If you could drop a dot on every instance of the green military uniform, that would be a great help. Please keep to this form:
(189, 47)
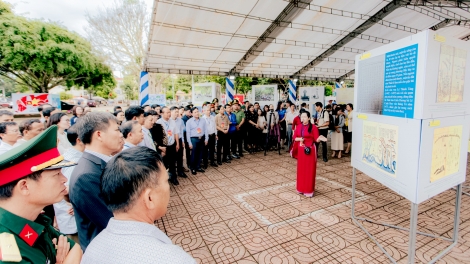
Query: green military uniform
(22, 240)
(34, 239)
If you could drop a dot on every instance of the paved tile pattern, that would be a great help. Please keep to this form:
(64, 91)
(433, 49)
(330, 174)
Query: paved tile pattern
(249, 212)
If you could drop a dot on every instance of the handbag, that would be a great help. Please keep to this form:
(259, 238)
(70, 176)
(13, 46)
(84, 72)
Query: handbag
(307, 150)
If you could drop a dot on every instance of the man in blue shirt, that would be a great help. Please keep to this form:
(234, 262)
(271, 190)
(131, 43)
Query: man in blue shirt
(186, 116)
(196, 132)
(231, 140)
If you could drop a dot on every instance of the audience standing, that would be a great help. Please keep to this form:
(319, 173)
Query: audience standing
(63, 123)
(171, 130)
(196, 132)
(29, 129)
(209, 149)
(132, 133)
(10, 134)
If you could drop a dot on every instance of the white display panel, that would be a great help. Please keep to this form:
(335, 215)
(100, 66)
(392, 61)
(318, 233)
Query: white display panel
(417, 159)
(311, 95)
(265, 94)
(345, 95)
(403, 178)
(205, 92)
(422, 76)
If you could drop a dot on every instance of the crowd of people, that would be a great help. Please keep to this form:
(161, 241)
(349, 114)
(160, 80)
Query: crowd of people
(111, 160)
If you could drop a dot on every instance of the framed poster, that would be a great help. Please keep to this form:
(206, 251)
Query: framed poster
(265, 94)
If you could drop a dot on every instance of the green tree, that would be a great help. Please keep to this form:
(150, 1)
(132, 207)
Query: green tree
(65, 96)
(130, 87)
(43, 55)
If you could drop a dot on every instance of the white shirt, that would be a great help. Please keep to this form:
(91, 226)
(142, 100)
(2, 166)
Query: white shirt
(134, 242)
(19, 142)
(350, 121)
(290, 116)
(323, 117)
(171, 129)
(4, 147)
(127, 145)
(148, 140)
(63, 145)
(210, 124)
(65, 221)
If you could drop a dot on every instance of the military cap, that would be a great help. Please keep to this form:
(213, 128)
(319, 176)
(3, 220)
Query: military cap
(39, 153)
(206, 103)
(215, 100)
(235, 101)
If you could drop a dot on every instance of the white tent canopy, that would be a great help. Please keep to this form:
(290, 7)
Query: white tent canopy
(286, 38)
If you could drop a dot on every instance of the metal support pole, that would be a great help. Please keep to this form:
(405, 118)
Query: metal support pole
(413, 227)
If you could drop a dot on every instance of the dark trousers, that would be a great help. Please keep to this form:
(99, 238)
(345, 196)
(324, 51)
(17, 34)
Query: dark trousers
(209, 149)
(179, 158)
(232, 143)
(187, 150)
(170, 159)
(323, 132)
(241, 136)
(222, 144)
(196, 152)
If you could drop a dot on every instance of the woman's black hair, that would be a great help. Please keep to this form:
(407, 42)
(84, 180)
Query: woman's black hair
(278, 108)
(351, 105)
(309, 123)
(55, 119)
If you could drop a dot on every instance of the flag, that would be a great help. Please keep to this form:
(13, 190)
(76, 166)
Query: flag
(144, 88)
(292, 92)
(230, 91)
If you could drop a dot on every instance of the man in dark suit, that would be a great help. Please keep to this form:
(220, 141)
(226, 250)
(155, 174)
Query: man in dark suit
(102, 138)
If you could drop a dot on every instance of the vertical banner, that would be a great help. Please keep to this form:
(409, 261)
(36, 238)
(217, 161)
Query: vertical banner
(144, 88)
(292, 92)
(230, 91)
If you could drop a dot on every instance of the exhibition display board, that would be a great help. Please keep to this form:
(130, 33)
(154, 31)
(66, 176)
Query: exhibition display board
(205, 92)
(344, 95)
(264, 94)
(412, 121)
(311, 95)
(26, 103)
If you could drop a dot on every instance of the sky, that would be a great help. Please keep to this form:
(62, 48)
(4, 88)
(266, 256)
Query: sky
(70, 13)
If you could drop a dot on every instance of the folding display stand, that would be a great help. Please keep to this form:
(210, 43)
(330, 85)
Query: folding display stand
(413, 226)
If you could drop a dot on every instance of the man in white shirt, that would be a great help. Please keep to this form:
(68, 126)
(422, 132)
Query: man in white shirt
(31, 128)
(323, 120)
(137, 113)
(9, 133)
(146, 126)
(174, 115)
(209, 149)
(132, 132)
(290, 115)
(135, 188)
(6, 116)
(171, 130)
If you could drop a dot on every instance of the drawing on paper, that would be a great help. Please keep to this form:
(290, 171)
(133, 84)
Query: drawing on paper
(264, 93)
(380, 146)
(452, 63)
(445, 152)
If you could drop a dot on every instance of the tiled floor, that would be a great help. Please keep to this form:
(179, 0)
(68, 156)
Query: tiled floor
(249, 212)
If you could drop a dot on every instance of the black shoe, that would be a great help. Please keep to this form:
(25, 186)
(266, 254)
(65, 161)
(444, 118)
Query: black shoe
(183, 175)
(325, 159)
(174, 181)
(229, 157)
(235, 156)
(201, 170)
(214, 165)
(219, 163)
(227, 161)
(204, 167)
(193, 172)
(241, 155)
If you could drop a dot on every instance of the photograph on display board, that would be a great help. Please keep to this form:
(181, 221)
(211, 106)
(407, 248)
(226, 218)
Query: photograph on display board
(380, 146)
(452, 63)
(28, 103)
(312, 94)
(445, 152)
(265, 93)
(202, 93)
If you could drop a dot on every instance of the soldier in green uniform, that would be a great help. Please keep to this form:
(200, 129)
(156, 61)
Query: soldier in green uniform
(30, 179)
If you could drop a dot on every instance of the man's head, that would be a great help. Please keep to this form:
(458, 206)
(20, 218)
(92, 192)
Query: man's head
(206, 110)
(174, 112)
(247, 104)
(135, 113)
(228, 108)
(31, 128)
(6, 116)
(47, 112)
(72, 136)
(100, 131)
(154, 106)
(271, 107)
(9, 132)
(256, 105)
(132, 132)
(303, 105)
(195, 112)
(166, 113)
(40, 182)
(187, 111)
(42, 107)
(318, 106)
(147, 108)
(181, 111)
(328, 108)
(117, 108)
(149, 119)
(292, 107)
(135, 182)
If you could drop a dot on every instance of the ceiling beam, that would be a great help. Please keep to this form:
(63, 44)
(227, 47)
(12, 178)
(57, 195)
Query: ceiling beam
(388, 9)
(287, 15)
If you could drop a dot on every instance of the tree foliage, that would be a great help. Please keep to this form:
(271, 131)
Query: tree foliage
(43, 55)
